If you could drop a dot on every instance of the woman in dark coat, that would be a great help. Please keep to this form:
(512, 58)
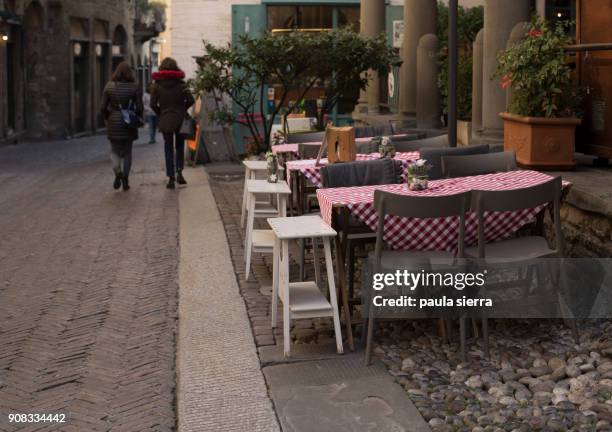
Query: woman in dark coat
(120, 92)
(170, 99)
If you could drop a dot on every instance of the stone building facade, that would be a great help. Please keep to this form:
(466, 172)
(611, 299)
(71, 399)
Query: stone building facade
(55, 58)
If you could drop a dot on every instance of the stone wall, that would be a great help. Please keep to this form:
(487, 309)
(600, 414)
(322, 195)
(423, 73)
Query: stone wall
(44, 81)
(194, 21)
(587, 234)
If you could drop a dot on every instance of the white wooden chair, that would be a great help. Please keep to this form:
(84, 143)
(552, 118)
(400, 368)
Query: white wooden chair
(262, 240)
(254, 169)
(302, 299)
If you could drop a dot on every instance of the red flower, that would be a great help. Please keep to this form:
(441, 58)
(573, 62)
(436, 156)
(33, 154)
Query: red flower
(506, 81)
(535, 33)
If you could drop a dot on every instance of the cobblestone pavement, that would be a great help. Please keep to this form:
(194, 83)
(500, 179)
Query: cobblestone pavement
(227, 190)
(88, 291)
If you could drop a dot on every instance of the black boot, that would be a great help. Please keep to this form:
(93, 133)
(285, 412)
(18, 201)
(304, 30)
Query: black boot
(180, 179)
(170, 184)
(117, 182)
(125, 183)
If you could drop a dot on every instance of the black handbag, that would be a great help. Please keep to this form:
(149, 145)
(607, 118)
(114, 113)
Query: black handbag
(188, 127)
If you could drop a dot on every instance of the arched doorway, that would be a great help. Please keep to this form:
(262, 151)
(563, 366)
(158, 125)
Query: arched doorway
(33, 25)
(102, 54)
(119, 45)
(80, 92)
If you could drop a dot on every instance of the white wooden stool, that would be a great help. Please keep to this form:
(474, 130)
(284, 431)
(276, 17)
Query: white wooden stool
(262, 241)
(302, 299)
(252, 170)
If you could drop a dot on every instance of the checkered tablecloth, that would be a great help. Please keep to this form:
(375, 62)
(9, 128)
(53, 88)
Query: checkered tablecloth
(312, 172)
(293, 148)
(440, 233)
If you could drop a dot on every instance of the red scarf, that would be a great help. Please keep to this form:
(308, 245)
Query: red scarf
(168, 75)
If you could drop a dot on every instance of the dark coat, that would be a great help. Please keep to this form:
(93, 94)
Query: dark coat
(170, 99)
(116, 93)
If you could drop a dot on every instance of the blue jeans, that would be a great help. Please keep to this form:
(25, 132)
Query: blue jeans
(174, 147)
(152, 121)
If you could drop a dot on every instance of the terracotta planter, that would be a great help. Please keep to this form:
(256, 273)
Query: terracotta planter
(543, 143)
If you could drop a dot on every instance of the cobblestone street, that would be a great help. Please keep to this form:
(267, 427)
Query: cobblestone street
(88, 291)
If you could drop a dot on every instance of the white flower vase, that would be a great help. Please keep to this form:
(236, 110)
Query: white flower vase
(272, 170)
(417, 182)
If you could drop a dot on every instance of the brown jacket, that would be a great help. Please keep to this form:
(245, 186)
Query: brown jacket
(170, 99)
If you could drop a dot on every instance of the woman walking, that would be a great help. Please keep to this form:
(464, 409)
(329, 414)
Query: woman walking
(121, 93)
(170, 99)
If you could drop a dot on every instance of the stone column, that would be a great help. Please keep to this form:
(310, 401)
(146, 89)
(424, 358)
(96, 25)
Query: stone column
(420, 18)
(541, 8)
(518, 32)
(500, 18)
(427, 92)
(372, 17)
(477, 85)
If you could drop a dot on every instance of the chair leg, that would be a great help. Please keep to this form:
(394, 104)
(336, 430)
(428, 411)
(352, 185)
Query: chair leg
(485, 336)
(475, 328)
(369, 338)
(574, 326)
(351, 269)
(443, 334)
(463, 337)
(329, 265)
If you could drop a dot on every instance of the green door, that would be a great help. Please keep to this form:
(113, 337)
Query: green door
(251, 20)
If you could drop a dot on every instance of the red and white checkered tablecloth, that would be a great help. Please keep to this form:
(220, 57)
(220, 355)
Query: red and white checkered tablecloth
(313, 173)
(293, 148)
(439, 233)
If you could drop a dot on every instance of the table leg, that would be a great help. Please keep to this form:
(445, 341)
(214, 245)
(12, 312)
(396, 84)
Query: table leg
(275, 271)
(286, 301)
(245, 196)
(329, 265)
(281, 199)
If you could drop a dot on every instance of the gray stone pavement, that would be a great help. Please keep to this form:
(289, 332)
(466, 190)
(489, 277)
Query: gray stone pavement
(88, 291)
(220, 383)
(316, 389)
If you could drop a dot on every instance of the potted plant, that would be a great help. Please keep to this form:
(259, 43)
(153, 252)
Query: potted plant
(544, 107)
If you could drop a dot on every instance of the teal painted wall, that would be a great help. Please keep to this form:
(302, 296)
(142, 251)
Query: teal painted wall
(256, 17)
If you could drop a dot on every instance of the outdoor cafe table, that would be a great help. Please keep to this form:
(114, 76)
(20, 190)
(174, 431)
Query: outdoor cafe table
(440, 233)
(337, 204)
(292, 150)
(297, 171)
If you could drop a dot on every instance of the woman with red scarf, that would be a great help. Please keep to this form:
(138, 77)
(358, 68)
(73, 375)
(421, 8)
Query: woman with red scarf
(170, 99)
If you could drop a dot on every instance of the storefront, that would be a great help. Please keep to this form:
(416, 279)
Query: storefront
(278, 16)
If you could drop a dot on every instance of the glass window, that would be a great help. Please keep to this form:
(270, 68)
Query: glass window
(300, 17)
(562, 10)
(349, 15)
(281, 17)
(315, 17)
